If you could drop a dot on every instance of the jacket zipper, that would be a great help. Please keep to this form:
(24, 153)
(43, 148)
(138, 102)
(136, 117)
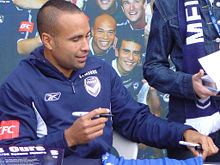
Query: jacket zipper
(73, 88)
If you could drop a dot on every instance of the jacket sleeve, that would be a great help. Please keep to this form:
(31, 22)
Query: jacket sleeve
(161, 43)
(111, 159)
(17, 113)
(135, 121)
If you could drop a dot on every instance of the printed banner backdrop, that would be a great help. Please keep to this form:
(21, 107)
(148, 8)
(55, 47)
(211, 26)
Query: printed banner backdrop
(26, 155)
(120, 30)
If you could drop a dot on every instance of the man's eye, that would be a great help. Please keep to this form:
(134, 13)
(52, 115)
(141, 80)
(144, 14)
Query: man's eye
(136, 53)
(100, 31)
(110, 32)
(125, 3)
(76, 39)
(126, 51)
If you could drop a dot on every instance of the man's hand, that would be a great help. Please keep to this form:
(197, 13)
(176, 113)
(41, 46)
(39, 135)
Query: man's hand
(86, 128)
(208, 146)
(200, 90)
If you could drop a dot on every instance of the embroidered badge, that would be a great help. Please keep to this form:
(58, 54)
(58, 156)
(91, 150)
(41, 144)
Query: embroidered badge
(9, 129)
(52, 96)
(136, 85)
(92, 85)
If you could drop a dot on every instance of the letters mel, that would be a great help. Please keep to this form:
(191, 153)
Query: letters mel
(194, 27)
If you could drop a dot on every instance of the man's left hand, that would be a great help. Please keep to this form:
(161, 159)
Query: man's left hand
(208, 146)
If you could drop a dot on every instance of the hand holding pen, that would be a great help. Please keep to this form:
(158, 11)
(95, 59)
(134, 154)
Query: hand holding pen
(86, 127)
(197, 146)
(204, 144)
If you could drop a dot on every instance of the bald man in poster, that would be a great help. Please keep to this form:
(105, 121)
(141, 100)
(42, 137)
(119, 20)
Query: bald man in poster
(103, 37)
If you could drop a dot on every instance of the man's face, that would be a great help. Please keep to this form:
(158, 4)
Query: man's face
(128, 56)
(70, 43)
(105, 4)
(103, 35)
(133, 9)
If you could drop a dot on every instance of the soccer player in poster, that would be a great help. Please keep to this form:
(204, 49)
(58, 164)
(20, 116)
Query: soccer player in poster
(103, 37)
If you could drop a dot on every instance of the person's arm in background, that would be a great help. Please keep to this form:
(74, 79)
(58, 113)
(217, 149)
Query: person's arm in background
(148, 95)
(36, 4)
(154, 102)
(29, 4)
(26, 46)
(157, 70)
(135, 121)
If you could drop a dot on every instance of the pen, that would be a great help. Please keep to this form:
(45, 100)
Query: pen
(106, 115)
(84, 113)
(197, 146)
(212, 89)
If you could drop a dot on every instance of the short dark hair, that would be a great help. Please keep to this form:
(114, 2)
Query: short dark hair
(120, 2)
(50, 11)
(129, 37)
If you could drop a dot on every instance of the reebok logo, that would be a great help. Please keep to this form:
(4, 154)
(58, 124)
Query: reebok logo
(52, 96)
(26, 26)
(9, 129)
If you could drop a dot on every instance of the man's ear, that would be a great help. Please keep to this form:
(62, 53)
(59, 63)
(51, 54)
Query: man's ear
(114, 45)
(116, 52)
(47, 40)
(122, 9)
(92, 31)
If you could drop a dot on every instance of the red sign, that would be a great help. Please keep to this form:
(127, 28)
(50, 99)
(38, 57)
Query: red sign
(9, 129)
(74, 1)
(26, 26)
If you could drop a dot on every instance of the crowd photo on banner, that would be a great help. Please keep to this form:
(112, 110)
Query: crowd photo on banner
(120, 30)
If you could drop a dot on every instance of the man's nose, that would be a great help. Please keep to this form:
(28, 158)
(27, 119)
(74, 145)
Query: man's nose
(85, 45)
(105, 35)
(132, 7)
(130, 56)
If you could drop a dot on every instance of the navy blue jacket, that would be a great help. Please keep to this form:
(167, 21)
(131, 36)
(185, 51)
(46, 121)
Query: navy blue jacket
(40, 100)
(165, 43)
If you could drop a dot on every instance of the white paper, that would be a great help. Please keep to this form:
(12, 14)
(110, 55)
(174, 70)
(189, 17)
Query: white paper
(211, 65)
